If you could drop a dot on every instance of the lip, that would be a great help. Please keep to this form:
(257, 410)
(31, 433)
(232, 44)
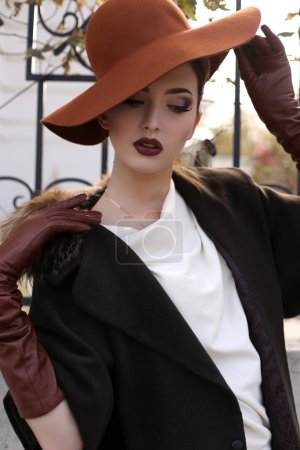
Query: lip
(148, 147)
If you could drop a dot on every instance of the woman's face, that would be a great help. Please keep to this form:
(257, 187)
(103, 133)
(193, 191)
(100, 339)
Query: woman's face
(149, 129)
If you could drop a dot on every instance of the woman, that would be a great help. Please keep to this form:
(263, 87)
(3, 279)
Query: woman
(161, 328)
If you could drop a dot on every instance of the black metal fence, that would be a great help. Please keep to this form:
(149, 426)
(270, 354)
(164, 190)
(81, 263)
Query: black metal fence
(64, 43)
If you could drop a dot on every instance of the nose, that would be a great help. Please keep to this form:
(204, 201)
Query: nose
(151, 120)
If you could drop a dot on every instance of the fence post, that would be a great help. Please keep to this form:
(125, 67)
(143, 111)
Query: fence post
(237, 111)
(39, 137)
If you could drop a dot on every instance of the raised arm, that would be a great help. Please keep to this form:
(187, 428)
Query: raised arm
(24, 363)
(265, 69)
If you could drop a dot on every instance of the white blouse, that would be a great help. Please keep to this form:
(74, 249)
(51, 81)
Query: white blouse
(195, 276)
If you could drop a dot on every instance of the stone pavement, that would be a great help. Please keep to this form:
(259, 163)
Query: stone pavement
(8, 440)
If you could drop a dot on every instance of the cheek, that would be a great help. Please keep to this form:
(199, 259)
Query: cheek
(193, 125)
(185, 132)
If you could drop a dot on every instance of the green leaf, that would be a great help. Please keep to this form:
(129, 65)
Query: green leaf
(34, 53)
(229, 80)
(286, 33)
(47, 48)
(213, 5)
(66, 63)
(80, 4)
(188, 7)
(17, 7)
(8, 4)
(34, 2)
(291, 15)
(77, 38)
(293, 58)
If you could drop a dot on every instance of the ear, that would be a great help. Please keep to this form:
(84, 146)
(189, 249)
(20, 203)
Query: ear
(192, 131)
(103, 121)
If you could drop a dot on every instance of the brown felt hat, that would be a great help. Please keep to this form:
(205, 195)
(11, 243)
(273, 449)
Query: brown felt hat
(131, 43)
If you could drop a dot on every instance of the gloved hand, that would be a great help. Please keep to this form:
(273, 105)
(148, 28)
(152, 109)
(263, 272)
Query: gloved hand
(24, 363)
(265, 69)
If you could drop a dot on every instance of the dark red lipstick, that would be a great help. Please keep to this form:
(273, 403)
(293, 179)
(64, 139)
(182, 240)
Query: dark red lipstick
(148, 147)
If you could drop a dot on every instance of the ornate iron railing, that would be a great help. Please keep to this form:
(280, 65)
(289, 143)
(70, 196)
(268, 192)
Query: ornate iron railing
(63, 32)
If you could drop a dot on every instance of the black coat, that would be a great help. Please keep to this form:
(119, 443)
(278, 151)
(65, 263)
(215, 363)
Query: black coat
(133, 372)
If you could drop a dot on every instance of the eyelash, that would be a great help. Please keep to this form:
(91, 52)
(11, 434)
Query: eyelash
(180, 108)
(175, 108)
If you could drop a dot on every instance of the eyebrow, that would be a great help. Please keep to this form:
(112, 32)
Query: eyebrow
(178, 90)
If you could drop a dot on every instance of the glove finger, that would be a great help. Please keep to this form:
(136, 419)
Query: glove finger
(245, 66)
(71, 214)
(69, 203)
(273, 39)
(259, 46)
(75, 227)
(94, 216)
(56, 228)
(59, 226)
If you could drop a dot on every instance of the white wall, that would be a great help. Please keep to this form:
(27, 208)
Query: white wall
(18, 127)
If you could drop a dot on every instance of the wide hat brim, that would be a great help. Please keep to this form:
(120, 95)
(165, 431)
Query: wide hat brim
(77, 121)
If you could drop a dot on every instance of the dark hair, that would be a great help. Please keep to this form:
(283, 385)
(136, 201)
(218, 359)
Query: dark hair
(201, 69)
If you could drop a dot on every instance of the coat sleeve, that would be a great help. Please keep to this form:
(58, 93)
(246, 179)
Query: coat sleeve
(80, 353)
(283, 216)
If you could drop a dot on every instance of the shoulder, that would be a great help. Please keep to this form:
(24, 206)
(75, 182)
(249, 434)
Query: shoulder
(242, 191)
(217, 183)
(63, 248)
(230, 177)
(235, 190)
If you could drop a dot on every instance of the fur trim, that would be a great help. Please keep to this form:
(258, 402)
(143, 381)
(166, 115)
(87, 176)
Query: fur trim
(64, 247)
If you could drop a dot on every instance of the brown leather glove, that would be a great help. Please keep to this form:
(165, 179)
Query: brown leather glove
(24, 363)
(265, 69)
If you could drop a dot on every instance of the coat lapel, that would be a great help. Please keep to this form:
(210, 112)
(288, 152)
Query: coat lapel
(117, 288)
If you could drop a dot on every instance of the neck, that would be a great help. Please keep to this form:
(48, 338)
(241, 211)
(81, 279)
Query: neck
(138, 192)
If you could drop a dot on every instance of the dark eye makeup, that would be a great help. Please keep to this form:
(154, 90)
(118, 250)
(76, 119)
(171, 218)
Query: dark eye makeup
(181, 108)
(178, 108)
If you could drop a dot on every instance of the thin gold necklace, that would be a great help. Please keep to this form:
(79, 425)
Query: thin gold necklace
(139, 224)
(116, 204)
